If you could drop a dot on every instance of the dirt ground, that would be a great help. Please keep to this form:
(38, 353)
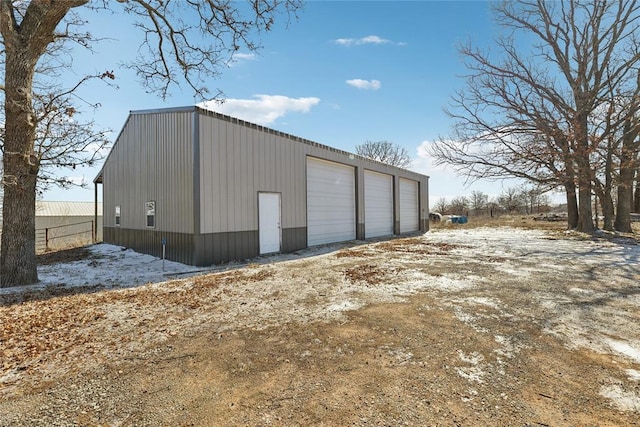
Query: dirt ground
(458, 327)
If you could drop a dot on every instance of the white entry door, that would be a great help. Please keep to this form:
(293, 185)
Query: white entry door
(269, 222)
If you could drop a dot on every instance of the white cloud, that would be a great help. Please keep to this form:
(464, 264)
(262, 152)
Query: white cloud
(241, 57)
(77, 180)
(363, 40)
(263, 109)
(364, 84)
(426, 164)
(100, 149)
(445, 183)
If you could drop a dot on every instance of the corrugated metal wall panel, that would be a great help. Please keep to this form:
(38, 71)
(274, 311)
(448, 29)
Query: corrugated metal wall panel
(152, 160)
(179, 246)
(248, 161)
(241, 159)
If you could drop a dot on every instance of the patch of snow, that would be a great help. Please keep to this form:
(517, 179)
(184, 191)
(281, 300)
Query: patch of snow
(489, 302)
(633, 374)
(625, 349)
(513, 271)
(418, 280)
(411, 282)
(471, 393)
(507, 347)
(472, 358)
(468, 319)
(110, 266)
(401, 355)
(344, 306)
(624, 400)
(581, 291)
(472, 373)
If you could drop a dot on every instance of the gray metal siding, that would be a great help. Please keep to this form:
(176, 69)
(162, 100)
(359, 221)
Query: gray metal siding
(179, 246)
(187, 159)
(237, 162)
(239, 159)
(152, 160)
(217, 248)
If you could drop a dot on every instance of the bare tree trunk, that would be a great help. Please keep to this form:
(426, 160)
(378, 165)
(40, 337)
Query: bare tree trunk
(628, 165)
(18, 259)
(604, 192)
(572, 205)
(603, 195)
(625, 191)
(584, 173)
(24, 44)
(585, 212)
(636, 197)
(595, 207)
(608, 211)
(623, 211)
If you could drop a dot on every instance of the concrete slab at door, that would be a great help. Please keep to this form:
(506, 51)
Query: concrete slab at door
(269, 222)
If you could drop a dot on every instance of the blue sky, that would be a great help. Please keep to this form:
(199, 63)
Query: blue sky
(345, 72)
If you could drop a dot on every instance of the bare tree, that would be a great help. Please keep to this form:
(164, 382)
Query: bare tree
(534, 198)
(64, 139)
(459, 205)
(441, 206)
(511, 200)
(185, 42)
(385, 152)
(529, 113)
(478, 201)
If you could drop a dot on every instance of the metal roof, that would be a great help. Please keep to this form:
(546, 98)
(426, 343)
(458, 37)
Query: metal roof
(201, 110)
(46, 208)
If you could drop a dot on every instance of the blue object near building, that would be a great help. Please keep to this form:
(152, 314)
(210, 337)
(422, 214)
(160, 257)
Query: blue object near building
(459, 219)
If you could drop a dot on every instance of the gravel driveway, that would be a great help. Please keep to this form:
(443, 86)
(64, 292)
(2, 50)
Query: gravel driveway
(460, 326)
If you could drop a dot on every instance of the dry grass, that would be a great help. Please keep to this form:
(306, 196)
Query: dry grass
(63, 255)
(63, 244)
(521, 221)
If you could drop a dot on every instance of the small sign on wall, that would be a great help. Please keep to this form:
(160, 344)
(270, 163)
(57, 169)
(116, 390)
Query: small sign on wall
(150, 209)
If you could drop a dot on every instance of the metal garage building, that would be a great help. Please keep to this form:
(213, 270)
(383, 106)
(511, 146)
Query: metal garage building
(216, 189)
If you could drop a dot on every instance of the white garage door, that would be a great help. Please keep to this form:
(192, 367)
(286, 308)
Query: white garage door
(331, 202)
(378, 204)
(408, 205)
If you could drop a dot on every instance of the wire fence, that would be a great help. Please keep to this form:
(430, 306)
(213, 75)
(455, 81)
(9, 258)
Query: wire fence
(65, 236)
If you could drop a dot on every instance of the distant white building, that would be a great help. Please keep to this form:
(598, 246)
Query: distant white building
(65, 224)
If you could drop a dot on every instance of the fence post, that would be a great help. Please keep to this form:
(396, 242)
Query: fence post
(93, 232)
(46, 239)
